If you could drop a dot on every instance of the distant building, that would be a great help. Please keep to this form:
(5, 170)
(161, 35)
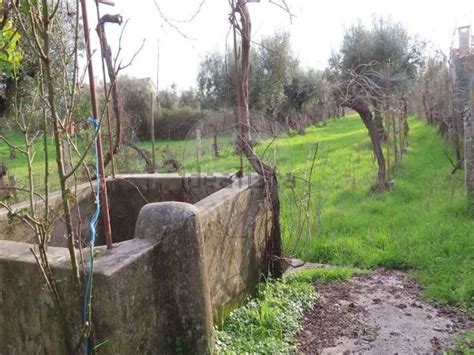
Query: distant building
(465, 38)
(462, 59)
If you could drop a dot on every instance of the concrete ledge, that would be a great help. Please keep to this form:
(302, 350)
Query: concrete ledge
(187, 262)
(21, 252)
(184, 290)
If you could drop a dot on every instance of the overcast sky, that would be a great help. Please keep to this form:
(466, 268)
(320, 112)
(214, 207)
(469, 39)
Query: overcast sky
(316, 29)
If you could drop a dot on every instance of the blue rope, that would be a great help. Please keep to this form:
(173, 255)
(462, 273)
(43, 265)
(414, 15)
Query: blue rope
(92, 227)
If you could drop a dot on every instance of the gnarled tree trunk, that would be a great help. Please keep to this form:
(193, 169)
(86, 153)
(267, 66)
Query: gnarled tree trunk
(274, 245)
(106, 52)
(378, 120)
(362, 108)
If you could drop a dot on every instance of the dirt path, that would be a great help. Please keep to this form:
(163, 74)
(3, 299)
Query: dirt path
(378, 313)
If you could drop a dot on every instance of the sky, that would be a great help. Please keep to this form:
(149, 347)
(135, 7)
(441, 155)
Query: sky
(316, 29)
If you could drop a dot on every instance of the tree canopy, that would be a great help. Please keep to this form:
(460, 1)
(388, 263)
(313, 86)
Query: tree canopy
(385, 42)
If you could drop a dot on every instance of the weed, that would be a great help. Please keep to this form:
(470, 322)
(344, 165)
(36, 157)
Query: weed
(268, 323)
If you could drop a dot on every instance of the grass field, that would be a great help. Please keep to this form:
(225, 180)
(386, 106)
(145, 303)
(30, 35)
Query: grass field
(420, 225)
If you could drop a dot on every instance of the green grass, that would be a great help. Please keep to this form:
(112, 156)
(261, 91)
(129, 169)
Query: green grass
(462, 345)
(18, 167)
(420, 225)
(268, 323)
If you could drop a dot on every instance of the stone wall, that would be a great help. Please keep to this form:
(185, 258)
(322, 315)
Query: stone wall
(127, 195)
(158, 292)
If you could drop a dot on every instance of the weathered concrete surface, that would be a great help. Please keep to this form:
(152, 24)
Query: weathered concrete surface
(26, 309)
(123, 307)
(127, 195)
(17, 231)
(156, 293)
(234, 223)
(183, 296)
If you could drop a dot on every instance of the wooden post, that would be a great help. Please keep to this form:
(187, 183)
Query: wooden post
(394, 135)
(388, 121)
(3, 172)
(12, 185)
(464, 66)
(107, 112)
(198, 149)
(469, 143)
(152, 128)
(12, 153)
(215, 144)
(95, 112)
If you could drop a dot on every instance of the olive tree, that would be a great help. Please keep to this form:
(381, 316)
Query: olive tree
(360, 69)
(272, 67)
(214, 81)
(307, 95)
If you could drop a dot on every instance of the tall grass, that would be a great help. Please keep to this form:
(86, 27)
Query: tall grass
(421, 225)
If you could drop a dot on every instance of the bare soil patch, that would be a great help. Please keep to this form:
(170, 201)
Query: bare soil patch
(378, 313)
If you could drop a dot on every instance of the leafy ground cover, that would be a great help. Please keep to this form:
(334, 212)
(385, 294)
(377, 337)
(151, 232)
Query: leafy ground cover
(268, 323)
